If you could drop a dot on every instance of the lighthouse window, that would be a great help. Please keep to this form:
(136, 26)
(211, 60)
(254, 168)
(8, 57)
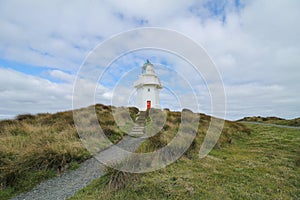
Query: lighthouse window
(148, 89)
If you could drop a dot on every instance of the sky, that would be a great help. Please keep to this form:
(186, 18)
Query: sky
(255, 46)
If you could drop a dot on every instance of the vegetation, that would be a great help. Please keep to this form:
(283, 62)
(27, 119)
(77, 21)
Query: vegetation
(116, 180)
(248, 162)
(262, 165)
(273, 120)
(36, 147)
(231, 131)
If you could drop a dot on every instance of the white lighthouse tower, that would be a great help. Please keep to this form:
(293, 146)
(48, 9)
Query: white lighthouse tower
(147, 86)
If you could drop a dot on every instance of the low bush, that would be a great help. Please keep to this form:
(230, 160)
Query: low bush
(116, 180)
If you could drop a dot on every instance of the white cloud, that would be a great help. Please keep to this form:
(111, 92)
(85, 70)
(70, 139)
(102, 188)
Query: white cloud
(261, 99)
(61, 75)
(256, 48)
(20, 93)
(107, 95)
(54, 34)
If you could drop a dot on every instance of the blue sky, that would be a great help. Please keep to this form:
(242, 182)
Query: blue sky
(255, 45)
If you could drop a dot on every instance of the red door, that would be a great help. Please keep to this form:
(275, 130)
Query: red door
(148, 104)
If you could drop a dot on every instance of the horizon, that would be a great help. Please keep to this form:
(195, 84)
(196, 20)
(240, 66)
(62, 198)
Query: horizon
(254, 45)
(14, 117)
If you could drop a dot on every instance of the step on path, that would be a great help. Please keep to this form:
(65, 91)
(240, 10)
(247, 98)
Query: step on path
(138, 128)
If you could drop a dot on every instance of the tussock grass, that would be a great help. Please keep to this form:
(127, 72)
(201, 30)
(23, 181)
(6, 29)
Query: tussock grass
(273, 120)
(260, 165)
(231, 131)
(298, 162)
(36, 147)
(33, 147)
(116, 180)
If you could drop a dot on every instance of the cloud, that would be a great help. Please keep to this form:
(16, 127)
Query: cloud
(255, 45)
(58, 74)
(21, 93)
(107, 95)
(261, 99)
(57, 34)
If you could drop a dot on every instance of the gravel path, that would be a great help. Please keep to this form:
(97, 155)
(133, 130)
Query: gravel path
(66, 185)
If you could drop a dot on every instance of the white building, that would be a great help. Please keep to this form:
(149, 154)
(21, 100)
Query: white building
(147, 86)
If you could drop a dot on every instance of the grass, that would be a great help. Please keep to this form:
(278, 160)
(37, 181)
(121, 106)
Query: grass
(116, 180)
(273, 120)
(260, 165)
(34, 148)
(231, 131)
(248, 162)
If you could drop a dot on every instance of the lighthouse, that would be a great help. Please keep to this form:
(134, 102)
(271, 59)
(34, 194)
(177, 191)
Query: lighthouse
(147, 86)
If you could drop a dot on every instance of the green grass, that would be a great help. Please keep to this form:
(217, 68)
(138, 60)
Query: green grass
(27, 182)
(262, 165)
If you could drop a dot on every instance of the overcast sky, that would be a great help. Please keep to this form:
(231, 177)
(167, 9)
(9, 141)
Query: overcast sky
(255, 45)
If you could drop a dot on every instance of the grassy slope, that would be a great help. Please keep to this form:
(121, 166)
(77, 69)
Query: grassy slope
(273, 120)
(262, 165)
(37, 147)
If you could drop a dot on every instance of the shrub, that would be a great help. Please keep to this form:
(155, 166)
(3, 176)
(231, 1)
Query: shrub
(116, 180)
(298, 162)
(25, 117)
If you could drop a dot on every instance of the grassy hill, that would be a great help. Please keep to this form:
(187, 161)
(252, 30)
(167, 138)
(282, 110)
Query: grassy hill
(273, 120)
(249, 161)
(37, 147)
(262, 165)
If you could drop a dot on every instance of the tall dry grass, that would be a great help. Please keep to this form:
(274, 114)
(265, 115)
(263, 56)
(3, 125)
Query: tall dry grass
(230, 132)
(29, 144)
(33, 144)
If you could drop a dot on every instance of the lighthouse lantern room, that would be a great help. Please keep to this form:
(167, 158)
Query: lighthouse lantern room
(147, 86)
